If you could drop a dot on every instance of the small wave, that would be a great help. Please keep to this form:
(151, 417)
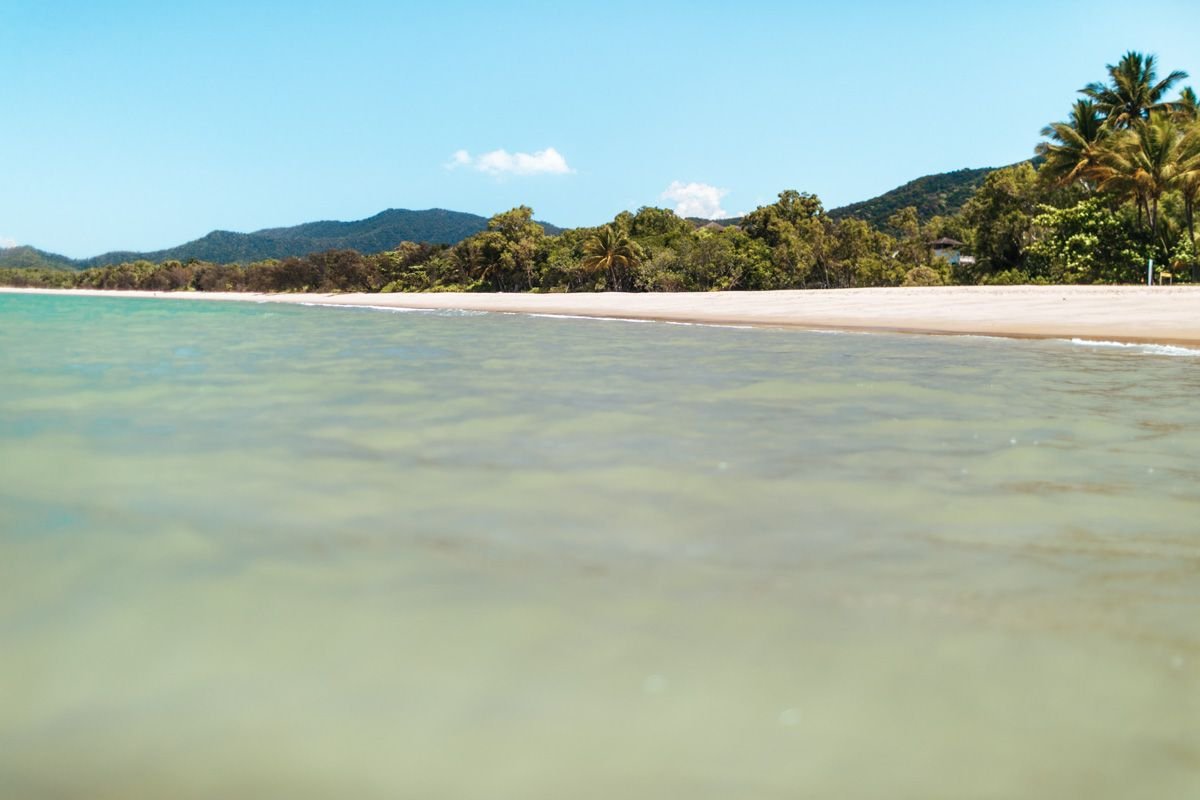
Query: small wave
(435, 312)
(989, 337)
(1148, 349)
(638, 320)
(591, 317)
(360, 306)
(838, 332)
(732, 325)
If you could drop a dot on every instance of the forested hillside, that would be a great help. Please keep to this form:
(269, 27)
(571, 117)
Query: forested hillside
(25, 257)
(376, 234)
(372, 235)
(941, 195)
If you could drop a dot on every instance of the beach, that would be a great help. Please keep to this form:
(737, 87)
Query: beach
(1159, 314)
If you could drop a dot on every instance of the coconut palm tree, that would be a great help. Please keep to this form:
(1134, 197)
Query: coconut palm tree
(611, 250)
(1076, 145)
(1187, 106)
(1133, 92)
(1189, 179)
(1146, 162)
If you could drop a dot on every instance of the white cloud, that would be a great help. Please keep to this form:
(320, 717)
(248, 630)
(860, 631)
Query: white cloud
(696, 200)
(502, 162)
(7, 242)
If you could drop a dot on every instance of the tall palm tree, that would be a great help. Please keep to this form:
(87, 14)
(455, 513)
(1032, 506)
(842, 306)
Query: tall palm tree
(1076, 145)
(1189, 179)
(1133, 91)
(1146, 162)
(611, 250)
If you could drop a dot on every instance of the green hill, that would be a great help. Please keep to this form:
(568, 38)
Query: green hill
(383, 231)
(932, 195)
(26, 257)
(373, 235)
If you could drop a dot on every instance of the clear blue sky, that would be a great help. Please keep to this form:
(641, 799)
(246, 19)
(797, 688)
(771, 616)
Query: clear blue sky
(138, 125)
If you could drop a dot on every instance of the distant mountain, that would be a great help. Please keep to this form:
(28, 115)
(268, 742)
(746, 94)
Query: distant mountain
(933, 195)
(26, 257)
(373, 235)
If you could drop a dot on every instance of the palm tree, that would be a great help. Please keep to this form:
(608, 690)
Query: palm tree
(1189, 181)
(1076, 146)
(1187, 106)
(1133, 91)
(611, 250)
(1148, 161)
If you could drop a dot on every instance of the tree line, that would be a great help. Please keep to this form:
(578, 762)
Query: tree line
(1112, 186)
(790, 244)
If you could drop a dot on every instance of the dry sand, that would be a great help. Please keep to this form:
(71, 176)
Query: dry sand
(1167, 315)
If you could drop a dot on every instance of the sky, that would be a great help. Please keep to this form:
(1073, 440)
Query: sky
(136, 125)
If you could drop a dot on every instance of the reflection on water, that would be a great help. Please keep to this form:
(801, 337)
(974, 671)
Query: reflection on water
(260, 551)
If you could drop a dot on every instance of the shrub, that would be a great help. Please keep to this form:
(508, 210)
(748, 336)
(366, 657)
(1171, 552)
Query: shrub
(923, 276)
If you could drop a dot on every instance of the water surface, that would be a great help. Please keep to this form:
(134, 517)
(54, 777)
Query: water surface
(268, 551)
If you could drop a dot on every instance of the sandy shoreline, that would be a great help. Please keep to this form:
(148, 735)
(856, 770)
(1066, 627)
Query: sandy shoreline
(1164, 315)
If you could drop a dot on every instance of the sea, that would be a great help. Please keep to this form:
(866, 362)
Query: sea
(268, 551)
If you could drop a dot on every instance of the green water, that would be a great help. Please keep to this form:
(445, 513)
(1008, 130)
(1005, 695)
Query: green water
(276, 552)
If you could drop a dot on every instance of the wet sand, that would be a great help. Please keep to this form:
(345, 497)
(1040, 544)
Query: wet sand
(1167, 315)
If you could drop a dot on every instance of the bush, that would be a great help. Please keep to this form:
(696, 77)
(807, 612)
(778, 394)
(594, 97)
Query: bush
(1088, 243)
(1013, 277)
(923, 276)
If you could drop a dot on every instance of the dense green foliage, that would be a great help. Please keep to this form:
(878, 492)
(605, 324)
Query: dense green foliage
(790, 244)
(1115, 184)
(1086, 243)
(1121, 180)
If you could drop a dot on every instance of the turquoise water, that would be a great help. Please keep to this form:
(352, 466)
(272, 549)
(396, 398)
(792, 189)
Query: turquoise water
(267, 551)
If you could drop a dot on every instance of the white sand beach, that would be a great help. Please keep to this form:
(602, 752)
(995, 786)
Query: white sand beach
(1167, 315)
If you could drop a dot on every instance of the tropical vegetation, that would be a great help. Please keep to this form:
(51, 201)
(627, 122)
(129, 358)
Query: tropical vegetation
(1113, 187)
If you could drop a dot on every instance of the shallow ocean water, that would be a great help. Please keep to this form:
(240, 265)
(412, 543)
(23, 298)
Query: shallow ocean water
(266, 551)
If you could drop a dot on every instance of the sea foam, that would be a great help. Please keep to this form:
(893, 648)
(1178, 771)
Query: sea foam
(1148, 349)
